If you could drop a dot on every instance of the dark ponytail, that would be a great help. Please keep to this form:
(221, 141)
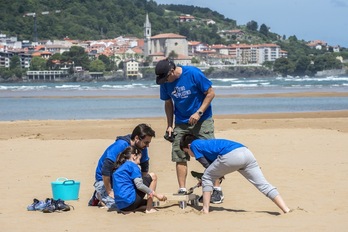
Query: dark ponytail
(126, 155)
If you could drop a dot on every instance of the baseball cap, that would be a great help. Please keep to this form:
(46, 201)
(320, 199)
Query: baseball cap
(162, 69)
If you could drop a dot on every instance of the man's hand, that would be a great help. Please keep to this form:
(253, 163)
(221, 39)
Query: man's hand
(169, 135)
(194, 118)
(111, 194)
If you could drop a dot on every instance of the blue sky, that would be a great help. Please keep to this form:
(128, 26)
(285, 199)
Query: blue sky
(325, 20)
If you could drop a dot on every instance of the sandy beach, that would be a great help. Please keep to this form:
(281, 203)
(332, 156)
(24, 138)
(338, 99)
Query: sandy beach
(304, 155)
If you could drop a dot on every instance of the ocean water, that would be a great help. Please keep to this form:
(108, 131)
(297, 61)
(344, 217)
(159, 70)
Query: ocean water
(109, 100)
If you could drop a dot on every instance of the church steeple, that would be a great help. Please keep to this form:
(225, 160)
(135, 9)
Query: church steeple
(147, 36)
(147, 27)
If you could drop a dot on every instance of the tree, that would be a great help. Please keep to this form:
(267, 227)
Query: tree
(37, 64)
(109, 65)
(283, 66)
(194, 60)
(53, 62)
(172, 55)
(15, 66)
(252, 25)
(77, 55)
(120, 65)
(326, 61)
(268, 64)
(302, 65)
(264, 29)
(15, 62)
(97, 66)
(5, 73)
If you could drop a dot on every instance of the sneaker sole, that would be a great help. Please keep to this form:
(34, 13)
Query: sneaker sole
(218, 202)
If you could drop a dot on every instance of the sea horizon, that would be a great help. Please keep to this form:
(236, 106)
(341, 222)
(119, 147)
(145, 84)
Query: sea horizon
(140, 98)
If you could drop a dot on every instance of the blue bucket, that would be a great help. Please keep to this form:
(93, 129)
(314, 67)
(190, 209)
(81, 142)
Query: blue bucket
(65, 189)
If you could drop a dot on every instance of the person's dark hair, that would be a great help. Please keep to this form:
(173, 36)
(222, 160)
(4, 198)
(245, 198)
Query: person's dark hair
(186, 139)
(142, 130)
(126, 155)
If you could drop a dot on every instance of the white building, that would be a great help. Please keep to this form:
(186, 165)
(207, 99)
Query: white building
(131, 69)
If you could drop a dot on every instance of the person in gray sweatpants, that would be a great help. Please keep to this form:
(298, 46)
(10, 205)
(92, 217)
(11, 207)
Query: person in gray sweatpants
(222, 156)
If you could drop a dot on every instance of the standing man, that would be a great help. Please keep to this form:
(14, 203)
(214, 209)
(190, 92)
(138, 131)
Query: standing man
(141, 138)
(188, 94)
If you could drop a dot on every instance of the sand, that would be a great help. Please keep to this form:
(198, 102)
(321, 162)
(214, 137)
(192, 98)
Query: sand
(304, 155)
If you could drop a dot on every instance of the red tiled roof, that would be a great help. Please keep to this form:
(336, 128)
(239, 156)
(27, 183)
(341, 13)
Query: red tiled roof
(37, 48)
(141, 42)
(194, 43)
(36, 54)
(168, 36)
(137, 50)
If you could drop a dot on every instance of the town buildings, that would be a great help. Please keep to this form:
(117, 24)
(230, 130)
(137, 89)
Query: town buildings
(134, 52)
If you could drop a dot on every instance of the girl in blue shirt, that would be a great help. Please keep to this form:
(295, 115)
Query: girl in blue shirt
(130, 187)
(220, 157)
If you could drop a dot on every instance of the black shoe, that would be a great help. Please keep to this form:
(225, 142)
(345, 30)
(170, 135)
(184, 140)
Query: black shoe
(217, 197)
(50, 206)
(60, 205)
(200, 199)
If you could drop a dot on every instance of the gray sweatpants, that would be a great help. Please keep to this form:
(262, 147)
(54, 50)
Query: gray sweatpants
(243, 161)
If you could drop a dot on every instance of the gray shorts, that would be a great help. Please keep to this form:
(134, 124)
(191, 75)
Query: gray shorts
(101, 193)
(202, 130)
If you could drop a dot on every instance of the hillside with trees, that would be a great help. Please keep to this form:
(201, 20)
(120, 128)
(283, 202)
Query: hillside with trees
(101, 19)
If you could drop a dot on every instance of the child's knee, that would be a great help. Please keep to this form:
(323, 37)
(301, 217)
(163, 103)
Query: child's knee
(153, 176)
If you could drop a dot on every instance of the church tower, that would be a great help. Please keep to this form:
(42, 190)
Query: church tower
(147, 37)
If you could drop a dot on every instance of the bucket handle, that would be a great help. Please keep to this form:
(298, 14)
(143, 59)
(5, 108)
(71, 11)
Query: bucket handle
(69, 182)
(61, 179)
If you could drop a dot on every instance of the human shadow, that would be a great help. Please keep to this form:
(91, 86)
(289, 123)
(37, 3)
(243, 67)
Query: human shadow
(220, 208)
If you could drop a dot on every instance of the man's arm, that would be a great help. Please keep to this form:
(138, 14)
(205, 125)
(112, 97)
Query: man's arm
(106, 172)
(169, 110)
(107, 184)
(144, 167)
(209, 96)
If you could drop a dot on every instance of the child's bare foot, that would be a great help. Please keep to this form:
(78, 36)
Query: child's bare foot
(204, 212)
(152, 210)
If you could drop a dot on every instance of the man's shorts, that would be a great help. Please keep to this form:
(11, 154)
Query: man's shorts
(202, 130)
(101, 192)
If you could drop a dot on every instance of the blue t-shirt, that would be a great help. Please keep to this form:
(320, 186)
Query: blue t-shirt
(123, 185)
(113, 151)
(212, 148)
(187, 93)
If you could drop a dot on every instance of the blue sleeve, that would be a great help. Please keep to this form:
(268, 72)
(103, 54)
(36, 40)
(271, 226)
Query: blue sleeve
(114, 150)
(163, 93)
(202, 82)
(196, 151)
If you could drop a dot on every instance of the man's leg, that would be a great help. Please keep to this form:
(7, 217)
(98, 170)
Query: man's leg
(180, 157)
(181, 173)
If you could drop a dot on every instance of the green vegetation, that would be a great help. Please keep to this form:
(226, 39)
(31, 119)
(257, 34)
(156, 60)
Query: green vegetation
(99, 19)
